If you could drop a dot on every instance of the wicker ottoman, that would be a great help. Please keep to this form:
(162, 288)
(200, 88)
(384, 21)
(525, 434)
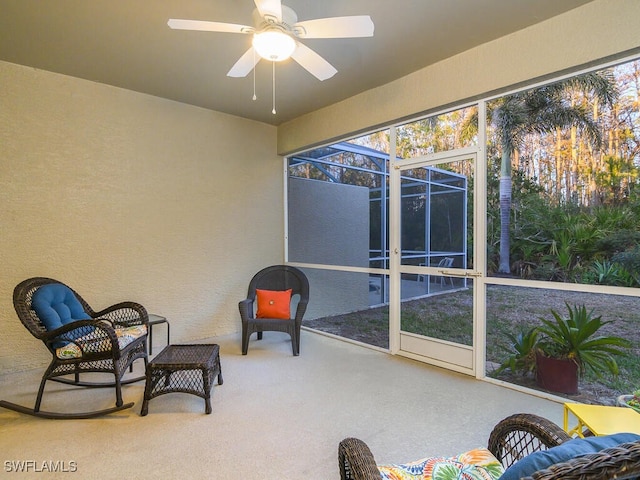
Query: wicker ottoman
(183, 368)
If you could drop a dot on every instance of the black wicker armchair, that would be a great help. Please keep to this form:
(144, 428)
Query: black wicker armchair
(107, 341)
(511, 440)
(277, 278)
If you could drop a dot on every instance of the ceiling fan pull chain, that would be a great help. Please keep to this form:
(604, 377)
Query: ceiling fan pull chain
(254, 76)
(274, 87)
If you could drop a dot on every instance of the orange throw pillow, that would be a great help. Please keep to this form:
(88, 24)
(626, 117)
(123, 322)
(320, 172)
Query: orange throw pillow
(274, 304)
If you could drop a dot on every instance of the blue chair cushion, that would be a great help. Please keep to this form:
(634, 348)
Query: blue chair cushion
(56, 305)
(564, 452)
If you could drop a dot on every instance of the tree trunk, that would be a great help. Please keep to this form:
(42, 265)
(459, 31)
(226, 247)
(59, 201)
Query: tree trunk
(558, 172)
(505, 211)
(572, 171)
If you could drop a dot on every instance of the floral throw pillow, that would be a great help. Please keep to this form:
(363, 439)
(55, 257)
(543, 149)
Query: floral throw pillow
(99, 342)
(476, 464)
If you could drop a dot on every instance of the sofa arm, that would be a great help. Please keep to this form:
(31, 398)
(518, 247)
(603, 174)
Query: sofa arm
(621, 462)
(521, 434)
(356, 462)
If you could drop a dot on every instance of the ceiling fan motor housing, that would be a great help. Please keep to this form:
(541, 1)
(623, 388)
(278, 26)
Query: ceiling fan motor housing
(289, 18)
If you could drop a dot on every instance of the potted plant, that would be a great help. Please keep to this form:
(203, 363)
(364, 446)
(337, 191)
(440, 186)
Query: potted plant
(631, 401)
(569, 347)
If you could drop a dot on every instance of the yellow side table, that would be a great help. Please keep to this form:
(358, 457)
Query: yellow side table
(600, 419)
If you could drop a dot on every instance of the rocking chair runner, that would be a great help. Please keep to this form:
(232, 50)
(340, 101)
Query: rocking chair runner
(80, 340)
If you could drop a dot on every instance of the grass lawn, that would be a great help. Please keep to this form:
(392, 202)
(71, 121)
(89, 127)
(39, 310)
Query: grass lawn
(509, 310)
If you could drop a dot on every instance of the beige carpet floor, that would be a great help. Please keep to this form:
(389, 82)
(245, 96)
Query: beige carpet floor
(275, 417)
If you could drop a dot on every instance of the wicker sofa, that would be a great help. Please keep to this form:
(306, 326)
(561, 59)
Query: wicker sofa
(511, 440)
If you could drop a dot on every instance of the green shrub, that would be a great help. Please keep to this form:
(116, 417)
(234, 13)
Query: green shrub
(619, 241)
(606, 273)
(629, 259)
(522, 352)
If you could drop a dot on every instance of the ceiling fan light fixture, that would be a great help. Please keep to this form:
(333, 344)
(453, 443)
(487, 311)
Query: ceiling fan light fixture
(274, 44)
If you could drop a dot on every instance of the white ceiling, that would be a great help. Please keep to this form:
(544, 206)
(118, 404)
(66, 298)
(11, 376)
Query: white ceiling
(126, 43)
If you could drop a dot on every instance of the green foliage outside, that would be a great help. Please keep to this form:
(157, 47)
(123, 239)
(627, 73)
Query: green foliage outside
(572, 160)
(634, 402)
(595, 245)
(521, 352)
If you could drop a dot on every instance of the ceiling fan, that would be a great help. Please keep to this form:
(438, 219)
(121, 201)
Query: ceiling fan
(276, 34)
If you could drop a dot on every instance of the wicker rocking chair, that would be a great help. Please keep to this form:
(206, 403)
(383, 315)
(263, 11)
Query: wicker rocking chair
(511, 440)
(80, 340)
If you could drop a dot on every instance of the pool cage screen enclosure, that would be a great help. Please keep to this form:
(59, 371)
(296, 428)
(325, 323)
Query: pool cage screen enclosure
(434, 211)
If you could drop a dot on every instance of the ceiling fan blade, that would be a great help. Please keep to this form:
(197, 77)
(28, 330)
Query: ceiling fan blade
(336, 27)
(201, 25)
(245, 64)
(270, 7)
(314, 63)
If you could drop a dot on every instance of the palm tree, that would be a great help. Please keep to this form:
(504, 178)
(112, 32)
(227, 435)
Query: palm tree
(542, 110)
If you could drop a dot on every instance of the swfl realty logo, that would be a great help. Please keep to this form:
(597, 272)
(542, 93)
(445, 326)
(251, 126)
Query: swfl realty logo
(42, 466)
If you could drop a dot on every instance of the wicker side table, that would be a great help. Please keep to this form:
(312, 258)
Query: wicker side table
(183, 368)
(156, 320)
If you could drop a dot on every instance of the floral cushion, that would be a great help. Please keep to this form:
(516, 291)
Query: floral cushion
(98, 342)
(476, 464)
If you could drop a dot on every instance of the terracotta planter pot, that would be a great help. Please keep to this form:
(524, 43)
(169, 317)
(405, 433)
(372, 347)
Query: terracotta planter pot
(556, 375)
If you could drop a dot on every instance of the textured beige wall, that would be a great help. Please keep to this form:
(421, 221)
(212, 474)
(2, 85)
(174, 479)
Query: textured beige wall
(598, 30)
(126, 196)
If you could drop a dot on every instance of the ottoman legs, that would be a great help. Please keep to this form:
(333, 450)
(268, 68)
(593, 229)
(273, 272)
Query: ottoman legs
(183, 368)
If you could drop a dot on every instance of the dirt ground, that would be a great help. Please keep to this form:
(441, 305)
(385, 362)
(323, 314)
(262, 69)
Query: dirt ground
(520, 308)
